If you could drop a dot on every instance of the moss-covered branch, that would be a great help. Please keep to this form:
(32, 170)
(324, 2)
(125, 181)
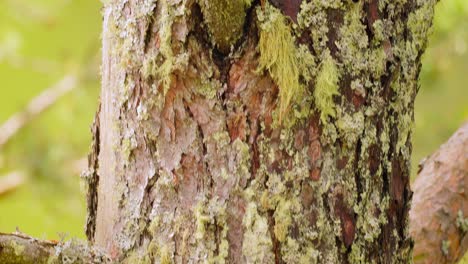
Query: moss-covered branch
(22, 249)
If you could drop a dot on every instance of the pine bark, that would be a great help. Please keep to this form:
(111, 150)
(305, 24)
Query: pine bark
(212, 146)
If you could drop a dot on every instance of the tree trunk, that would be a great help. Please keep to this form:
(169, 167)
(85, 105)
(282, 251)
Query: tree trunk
(256, 132)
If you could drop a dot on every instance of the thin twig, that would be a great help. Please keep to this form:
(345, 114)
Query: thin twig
(36, 106)
(10, 182)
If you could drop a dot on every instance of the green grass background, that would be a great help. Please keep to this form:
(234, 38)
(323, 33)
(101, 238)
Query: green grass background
(42, 40)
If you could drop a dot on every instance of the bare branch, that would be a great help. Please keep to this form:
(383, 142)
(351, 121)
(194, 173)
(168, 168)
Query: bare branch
(35, 107)
(439, 215)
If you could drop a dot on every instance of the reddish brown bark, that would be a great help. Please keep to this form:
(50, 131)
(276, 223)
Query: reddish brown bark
(439, 215)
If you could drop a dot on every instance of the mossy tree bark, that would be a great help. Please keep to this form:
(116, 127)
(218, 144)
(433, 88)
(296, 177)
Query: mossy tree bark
(256, 132)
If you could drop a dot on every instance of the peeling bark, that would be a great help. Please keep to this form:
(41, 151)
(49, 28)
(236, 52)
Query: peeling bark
(439, 215)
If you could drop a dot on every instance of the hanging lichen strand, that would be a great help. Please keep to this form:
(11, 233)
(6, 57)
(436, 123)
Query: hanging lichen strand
(278, 55)
(265, 133)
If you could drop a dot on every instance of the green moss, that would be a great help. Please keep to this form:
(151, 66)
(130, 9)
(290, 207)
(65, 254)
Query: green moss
(326, 87)
(225, 21)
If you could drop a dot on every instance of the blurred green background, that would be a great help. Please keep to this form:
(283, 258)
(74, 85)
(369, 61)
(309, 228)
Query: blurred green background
(43, 40)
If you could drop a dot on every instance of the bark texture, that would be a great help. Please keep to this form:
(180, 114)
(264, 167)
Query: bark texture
(439, 215)
(256, 132)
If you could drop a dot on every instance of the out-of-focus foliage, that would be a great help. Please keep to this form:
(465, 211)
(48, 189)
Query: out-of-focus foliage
(42, 40)
(442, 102)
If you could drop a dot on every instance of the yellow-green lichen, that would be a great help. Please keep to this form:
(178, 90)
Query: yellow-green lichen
(243, 159)
(462, 222)
(163, 61)
(326, 87)
(165, 255)
(313, 17)
(223, 248)
(350, 127)
(128, 144)
(445, 247)
(201, 219)
(257, 244)
(420, 22)
(137, 257)
(377, 61)
(278, 55)
(162, 249)
(164, 71)
(294, 254)
(354, 42)
(17, 248)
(282, 219)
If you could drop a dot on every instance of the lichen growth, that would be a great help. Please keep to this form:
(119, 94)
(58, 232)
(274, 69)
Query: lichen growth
(201, 219)
(350, 127)
(76, 251)
(326, 87)
(128, 144)
(150, 66)
(166, 257)
(243, 157)
(313, 17)
(462, 222)
(278, 56)
(257, 244)
(420, 24)
(354, 42)
(17, 248)
(283, 219)
(445, 247)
